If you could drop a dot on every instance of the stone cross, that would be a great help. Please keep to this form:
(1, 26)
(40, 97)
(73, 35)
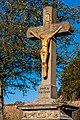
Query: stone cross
(47, 34)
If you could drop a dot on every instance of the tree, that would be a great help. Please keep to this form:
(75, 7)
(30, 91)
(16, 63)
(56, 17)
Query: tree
(15, 55)
(19, 56)
(70, 80)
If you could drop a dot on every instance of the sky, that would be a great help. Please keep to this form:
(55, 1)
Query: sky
(32, 94)
(71, 3)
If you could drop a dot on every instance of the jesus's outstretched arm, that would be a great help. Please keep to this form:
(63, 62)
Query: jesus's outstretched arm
(35, 35)
(50, 36)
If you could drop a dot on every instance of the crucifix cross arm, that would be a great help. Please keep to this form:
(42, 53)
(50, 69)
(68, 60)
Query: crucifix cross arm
(43, 37)
(67, 29)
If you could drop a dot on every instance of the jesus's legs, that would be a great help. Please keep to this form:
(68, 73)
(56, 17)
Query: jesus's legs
(44, 56)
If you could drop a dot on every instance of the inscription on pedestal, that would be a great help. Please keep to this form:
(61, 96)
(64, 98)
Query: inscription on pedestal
(44, 89)
(47, 91)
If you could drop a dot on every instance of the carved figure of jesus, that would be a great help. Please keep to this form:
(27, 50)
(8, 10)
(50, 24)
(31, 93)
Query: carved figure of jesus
(45, 48)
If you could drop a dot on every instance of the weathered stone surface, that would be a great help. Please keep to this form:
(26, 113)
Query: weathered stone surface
(43, 104)
(11, 112)
(46, 115)
(47, 109)
(42, 114)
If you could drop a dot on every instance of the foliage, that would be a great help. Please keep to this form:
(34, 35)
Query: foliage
(70, 87)
(16, 55)
(19, 56)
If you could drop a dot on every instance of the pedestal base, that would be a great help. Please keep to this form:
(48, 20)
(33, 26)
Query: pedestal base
(45, 115)
(47, 109)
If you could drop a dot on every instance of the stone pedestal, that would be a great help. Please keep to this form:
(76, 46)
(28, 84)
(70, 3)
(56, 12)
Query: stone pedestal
(47, 109)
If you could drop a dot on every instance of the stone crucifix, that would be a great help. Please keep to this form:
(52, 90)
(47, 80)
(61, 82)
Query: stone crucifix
(47, 34)
(45, 48)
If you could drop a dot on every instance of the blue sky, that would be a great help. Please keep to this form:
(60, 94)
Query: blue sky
(32, 94)
(71, 3)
